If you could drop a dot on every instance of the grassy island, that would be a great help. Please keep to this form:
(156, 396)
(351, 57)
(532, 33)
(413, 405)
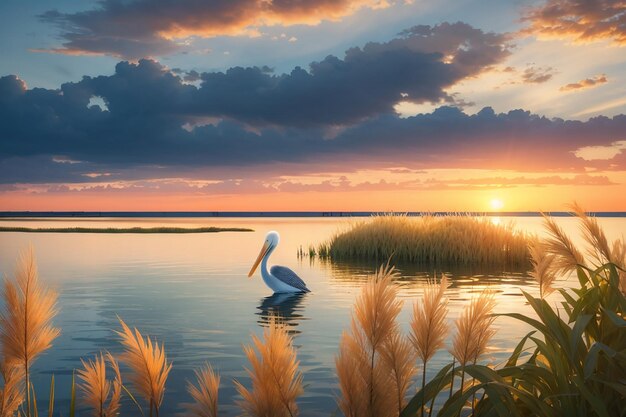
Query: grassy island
(123, 229)
(439, 240)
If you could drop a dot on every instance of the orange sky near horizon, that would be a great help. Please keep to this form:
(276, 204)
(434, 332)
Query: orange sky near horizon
(545, 198)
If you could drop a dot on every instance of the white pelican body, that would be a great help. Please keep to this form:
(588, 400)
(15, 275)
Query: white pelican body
(279, 278)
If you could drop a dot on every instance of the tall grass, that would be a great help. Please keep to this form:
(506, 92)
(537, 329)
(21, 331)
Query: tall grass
(429, 326)
(149, 364)
(205, 393)
(276, 380)
(12, 392)
(437, 240)
(26, 329)
(97, 389)
(375, 364)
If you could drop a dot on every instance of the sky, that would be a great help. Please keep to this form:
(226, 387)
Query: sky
(312, 105)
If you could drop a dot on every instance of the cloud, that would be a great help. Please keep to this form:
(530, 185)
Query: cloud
(586, 83)
(139, 28)
(499, 182)
(417, 66)
(142, 135)
(579, 20)
(537, 75)
(153, 122)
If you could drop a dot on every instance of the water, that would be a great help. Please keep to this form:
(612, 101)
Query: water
(191, 292)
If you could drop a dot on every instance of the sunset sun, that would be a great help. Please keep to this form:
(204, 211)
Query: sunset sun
(496, 204)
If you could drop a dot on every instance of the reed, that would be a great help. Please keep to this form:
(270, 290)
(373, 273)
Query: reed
(148, 364)
(566, 256)
(436, 240)
(97, 389)
(205, 393)
(429, 327)
(276, 380)
(12, 393)
(373, 355)
(543, 271)
(26, 329)
(399, 358)
(598, 248)
(618, 253)
(474, 330)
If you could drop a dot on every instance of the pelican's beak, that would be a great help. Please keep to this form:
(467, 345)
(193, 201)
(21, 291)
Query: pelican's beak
(264, 249)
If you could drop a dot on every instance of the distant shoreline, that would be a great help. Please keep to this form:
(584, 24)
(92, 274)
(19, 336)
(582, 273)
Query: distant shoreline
(136, 230)
(4, 215)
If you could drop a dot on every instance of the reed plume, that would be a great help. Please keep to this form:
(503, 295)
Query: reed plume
(365, 391)
(12, 393)
(97, 389)
(566, 256)
(26, 328)
(349, 362)
(428, 324)
(543, 271)
(148, 364)
(474, 331)
(399, 357)
(205, 393)
(276, 380)
(594, 235)
(618, 253)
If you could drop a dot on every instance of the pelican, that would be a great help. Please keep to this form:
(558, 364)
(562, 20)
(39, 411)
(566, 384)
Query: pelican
(279, 278)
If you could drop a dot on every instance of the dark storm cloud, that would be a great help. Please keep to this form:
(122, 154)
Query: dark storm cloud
(140, 28)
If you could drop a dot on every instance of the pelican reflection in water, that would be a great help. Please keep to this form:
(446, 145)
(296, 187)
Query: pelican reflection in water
(288, 306)
(279, 278)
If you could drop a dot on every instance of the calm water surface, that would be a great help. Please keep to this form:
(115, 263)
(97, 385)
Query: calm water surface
(191, 292)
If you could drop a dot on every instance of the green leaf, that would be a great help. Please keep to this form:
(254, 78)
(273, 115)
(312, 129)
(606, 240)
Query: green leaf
(615, 319)
(431, 390)
(579, 327)
(582, 277)
(51, 401)
(592, 357)
(132, 397)
(512, 361)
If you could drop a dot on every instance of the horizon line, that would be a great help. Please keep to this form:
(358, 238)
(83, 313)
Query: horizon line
(211, 214)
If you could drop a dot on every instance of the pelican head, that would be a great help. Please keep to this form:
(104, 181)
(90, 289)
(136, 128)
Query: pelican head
(271, 241)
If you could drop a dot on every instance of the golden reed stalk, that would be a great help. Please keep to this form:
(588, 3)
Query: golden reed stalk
(12, 393)
(619, 255)
(399, 357)
(276, 380)
(374, 356)
(543, 271)
(566, 256)
(26, 323)
(148, 364)
(474, 331)
(594, 235)
(429, 327)
(97, 389)
(205, 394)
